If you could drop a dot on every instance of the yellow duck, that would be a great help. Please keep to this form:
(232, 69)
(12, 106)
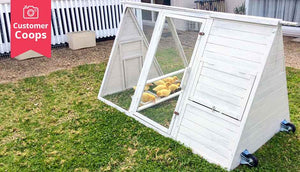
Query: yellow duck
(174, 87)
(160, 87)
(147, 97)
(146, 87)
(164, 93)
(171, 80)
(159, 82)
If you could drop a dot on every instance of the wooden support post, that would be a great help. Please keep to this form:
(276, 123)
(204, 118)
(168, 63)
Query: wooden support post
(159, 101)
(148, 62)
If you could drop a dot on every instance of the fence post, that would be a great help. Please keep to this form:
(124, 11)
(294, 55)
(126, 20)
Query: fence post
(6, 44)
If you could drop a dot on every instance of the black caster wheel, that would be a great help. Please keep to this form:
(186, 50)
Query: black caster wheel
(248, 159)
(287, 126)
(253, 161)
(291, 127)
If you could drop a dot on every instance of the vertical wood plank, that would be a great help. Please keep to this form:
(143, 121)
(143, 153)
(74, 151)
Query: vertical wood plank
(89, 13)
(76, 27)
(83, 27)
(68, 15)
(60, 22)
(120, 12)
(113, 8)
(53, 38)
(63, 17)
(97, 31)
(3, 45)
(109, 5)
(100, 20)
(117, 12)
(57, 36)
(85, 11)
(106, 18)
(6, 44)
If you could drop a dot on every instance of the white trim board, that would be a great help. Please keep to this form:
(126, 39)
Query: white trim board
(202, 13)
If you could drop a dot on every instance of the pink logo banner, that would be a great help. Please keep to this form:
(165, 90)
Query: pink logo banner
(30, 27)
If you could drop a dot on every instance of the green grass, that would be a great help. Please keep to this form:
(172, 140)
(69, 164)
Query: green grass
(162, 113)
(56, 123)
(169, 60)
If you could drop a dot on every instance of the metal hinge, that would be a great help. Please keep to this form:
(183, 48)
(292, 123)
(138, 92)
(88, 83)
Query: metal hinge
(201, 33)
(176, 113)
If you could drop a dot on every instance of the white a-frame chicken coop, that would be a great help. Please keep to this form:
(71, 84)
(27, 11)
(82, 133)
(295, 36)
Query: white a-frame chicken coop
(215, 82)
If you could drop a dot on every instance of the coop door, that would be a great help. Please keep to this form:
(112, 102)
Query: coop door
(222, 87)
(158, 103)
(131, 54)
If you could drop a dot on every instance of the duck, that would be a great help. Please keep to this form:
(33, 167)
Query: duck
(147, 97)
(159, 87)
(147, 87)
(159, 82)
(174, 87)
(171, 80)
(164, 93)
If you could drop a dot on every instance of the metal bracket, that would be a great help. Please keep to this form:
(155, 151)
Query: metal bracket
(283, 126)
(248, 159)
(244, 159)
(287, 126)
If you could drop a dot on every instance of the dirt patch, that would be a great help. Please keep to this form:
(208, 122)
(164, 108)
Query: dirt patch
(12, 70)
(64, 58)
(292, 52)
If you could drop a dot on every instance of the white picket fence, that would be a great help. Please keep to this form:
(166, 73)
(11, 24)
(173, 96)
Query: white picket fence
(101, 16)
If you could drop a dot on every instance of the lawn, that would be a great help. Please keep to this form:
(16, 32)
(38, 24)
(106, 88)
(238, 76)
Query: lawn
(56, 123)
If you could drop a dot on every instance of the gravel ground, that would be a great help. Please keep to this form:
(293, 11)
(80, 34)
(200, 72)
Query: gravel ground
(64, 58)
(12, 70)
(292, 52)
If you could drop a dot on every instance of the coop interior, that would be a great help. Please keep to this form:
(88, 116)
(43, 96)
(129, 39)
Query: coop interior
(164, 80)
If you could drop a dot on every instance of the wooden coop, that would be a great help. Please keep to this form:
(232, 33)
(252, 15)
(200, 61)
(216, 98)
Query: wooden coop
(219, 88)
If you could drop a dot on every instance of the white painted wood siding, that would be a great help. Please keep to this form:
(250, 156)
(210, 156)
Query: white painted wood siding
(231, 60)
(207, 134)
(270, 105)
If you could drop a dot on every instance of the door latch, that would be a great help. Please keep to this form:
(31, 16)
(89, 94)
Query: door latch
(201, 33)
